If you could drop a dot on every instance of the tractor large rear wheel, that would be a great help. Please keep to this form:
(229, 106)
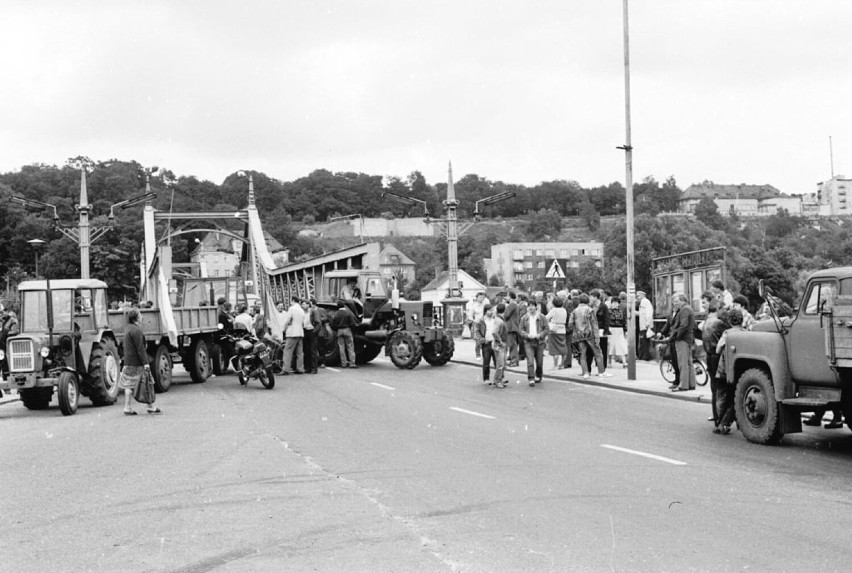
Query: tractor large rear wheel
(365, 352)
(406, 350)
(439, 352)
(329, 351)
(102, 380)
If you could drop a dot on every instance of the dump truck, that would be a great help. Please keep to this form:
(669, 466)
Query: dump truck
(794, 364)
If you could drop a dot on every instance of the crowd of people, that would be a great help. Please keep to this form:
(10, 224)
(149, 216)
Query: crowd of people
(571, 326)
(300, 328)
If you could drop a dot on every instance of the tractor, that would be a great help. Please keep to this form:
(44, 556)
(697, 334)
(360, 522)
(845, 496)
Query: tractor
(65, 342)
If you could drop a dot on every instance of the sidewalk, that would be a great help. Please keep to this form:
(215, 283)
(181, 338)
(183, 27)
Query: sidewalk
(9, 396)
(648, 377)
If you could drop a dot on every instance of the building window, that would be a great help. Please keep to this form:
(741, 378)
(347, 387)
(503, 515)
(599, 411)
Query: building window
(539, 252)
(528, 264)
(575, 264)
(596, 252)
(540, 264)
(575, 252)
(517, 254)
(550, 254)
(528, 252)
(563, 253)
(518, 266)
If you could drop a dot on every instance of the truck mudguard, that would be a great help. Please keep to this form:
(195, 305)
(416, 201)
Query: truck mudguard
(760, 349)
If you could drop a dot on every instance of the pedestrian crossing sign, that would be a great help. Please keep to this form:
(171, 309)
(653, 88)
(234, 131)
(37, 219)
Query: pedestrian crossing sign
(555, 271)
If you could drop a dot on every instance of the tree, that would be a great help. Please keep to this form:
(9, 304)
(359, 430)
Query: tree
(707, 212)
(589, 215)
(544, 224)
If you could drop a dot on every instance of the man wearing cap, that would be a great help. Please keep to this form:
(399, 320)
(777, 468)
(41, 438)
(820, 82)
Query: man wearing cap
(645, 317)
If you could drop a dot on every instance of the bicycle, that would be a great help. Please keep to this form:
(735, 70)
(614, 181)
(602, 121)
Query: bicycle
(702, 376)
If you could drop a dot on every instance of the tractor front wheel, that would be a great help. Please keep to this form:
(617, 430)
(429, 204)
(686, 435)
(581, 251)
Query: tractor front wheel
(406, 350)
(67, 392)
(439, 352)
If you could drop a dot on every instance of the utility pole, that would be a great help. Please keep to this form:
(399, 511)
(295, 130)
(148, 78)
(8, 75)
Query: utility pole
(628, 158)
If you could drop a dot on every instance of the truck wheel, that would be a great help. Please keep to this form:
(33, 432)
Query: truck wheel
(219, 358)
(756, 408)
(36, 398)
(199, 361)
(439, 352)
(102, 379)
(67, 393)
(161, 369)
(365, 352)
(405, 350)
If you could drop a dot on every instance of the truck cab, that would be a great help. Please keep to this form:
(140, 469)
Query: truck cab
(789, 365)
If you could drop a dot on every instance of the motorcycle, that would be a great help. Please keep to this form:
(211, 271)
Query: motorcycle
(251, 359)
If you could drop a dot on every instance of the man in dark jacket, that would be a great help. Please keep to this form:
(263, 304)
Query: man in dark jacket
(683, 335)
(342, 323)
(512, 319)
(711, 332)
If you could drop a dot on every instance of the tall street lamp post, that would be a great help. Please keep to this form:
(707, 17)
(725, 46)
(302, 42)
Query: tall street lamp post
(37, 245)
(454, 302)
(628, 157)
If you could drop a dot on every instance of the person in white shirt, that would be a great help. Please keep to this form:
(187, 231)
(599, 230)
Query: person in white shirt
(483, 334)
(645, 316)
(294, 333)
(243, 320)
(476, 313)
(534, 329)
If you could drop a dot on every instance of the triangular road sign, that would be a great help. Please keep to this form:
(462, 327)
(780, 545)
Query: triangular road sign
(555, 271)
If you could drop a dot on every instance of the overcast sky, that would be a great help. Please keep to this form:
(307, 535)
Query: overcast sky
(735, 91)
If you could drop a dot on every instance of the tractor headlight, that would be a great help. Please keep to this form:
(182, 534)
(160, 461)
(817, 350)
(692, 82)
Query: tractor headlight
(2, 355)
(45, 351)
(415, 317)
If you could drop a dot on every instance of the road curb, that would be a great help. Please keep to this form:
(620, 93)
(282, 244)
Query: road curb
(602, 384)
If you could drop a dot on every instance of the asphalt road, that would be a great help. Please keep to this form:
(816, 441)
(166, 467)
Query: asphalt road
(378, 469)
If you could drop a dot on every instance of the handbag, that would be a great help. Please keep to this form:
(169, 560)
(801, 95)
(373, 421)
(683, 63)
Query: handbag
(144, 392)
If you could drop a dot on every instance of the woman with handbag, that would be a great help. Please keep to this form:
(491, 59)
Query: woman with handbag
(137, 370)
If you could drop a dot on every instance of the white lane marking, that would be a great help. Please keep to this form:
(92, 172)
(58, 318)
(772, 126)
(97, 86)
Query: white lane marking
(382, 386)
(472, 413)
(332, 369)
(645, 455)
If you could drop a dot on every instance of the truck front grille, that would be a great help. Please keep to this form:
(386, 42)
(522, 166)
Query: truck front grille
(21, 356)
